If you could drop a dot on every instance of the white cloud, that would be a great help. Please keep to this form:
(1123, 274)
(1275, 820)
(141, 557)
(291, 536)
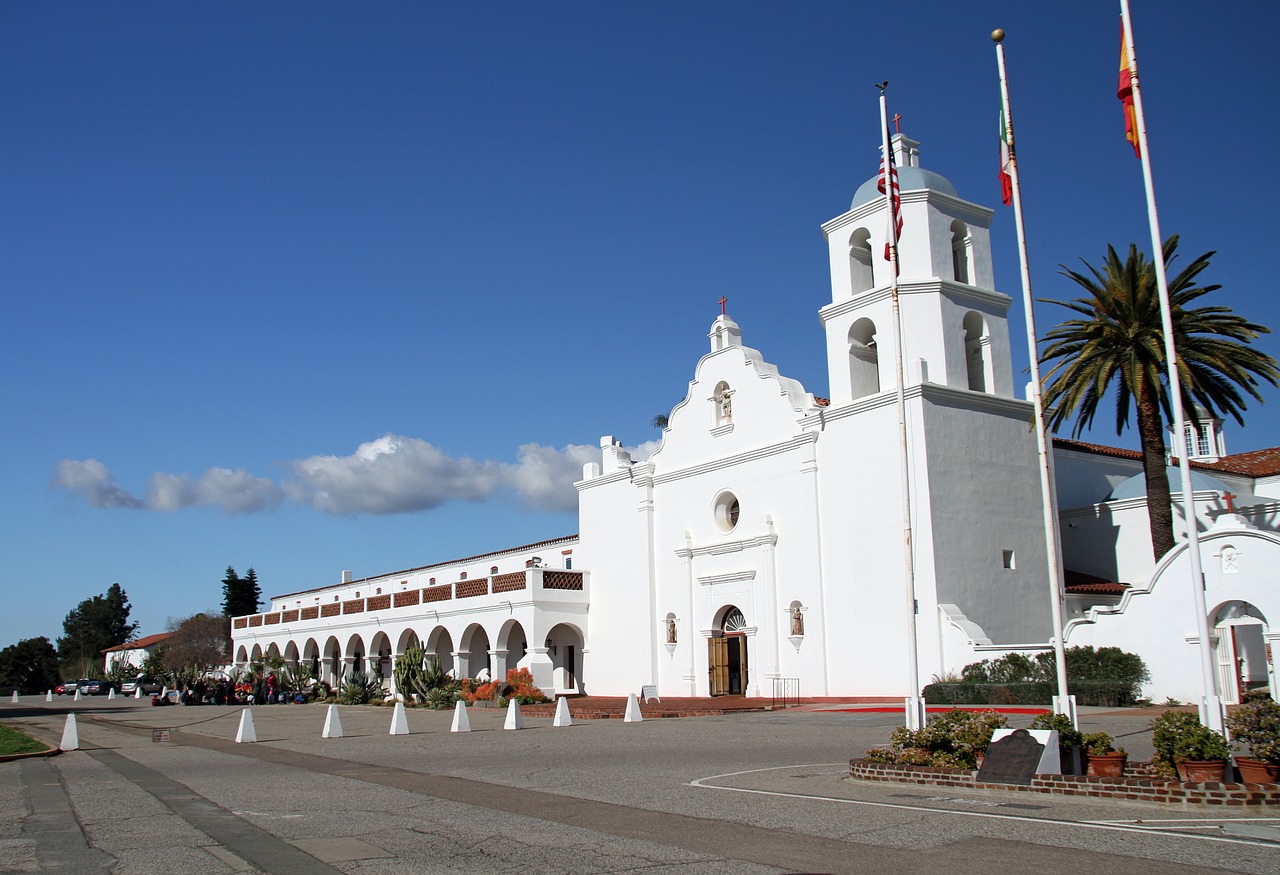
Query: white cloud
(94, 482)
(543, 477)
(393, 474)
(233, 491)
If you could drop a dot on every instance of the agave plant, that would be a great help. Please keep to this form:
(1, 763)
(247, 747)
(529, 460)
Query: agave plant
(360, 689)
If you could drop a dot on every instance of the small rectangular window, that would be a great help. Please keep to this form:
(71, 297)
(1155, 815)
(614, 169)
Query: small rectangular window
(1007, 556)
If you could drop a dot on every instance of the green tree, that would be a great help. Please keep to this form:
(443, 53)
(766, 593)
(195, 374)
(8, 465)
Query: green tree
(1118, 340)
(30, 666)
(91, 627)
(240, 595)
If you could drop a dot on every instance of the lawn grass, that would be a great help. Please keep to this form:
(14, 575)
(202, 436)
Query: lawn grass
(13, 741)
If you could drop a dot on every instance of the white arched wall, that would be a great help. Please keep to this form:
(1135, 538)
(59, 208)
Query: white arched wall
(1159, 623)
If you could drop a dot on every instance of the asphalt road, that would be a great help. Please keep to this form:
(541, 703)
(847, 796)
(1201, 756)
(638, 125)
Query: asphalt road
(746, 793)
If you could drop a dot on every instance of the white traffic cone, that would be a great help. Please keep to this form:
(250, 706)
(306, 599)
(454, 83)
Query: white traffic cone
(137, 691)
(77, 698)
(246, 733)
(562, 713)
(332, 724)
(70, 734)
(111, 694)
(14, 700)
(399, 720)
(632, 714)
(461, 722)
(48, 697)
(514, 718)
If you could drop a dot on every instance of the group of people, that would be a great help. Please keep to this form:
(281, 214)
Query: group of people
(254, 691)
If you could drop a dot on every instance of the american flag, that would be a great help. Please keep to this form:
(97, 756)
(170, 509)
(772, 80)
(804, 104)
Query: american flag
(894, 230)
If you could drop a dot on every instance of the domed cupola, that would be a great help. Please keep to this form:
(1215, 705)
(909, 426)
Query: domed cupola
(911, 176)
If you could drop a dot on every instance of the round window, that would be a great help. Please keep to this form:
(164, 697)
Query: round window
(726, 511)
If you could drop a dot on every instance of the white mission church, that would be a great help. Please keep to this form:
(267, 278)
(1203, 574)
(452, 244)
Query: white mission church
(762, 543)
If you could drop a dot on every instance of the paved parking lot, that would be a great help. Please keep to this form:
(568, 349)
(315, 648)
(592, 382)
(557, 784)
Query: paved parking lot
(749, 793)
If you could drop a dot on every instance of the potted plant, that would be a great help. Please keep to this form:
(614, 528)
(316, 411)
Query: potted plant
(1105, 761)
(1256, 726)
(1069, 739)
(1198, 753)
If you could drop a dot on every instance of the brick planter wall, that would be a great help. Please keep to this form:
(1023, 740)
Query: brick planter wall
(1142, 789)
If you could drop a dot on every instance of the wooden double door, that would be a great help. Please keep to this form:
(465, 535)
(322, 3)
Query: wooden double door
(727, 664)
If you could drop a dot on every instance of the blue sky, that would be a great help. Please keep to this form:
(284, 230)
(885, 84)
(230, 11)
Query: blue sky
(320, 286)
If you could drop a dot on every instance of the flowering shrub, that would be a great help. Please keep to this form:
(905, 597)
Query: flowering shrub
(953, 739)
(520, 680)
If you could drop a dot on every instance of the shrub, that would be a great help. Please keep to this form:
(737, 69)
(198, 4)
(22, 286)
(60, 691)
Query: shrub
(1256, 725)
(360, 689)
(1106, 676)
(1098, 743)
(1179, 735)
(1068, 735)
(953, 739)
(522, 688)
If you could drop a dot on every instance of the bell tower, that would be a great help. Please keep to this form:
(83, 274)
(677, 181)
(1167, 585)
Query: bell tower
(954, 323)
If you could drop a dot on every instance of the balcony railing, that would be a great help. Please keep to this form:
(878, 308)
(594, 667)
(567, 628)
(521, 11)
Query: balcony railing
(549, 579)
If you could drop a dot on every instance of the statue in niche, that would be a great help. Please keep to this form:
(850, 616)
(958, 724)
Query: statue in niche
(726, 405)
(671, 630)
(797, 620)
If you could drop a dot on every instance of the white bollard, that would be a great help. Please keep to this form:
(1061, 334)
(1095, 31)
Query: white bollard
(632, 714)
(77, 698)
(246, 733)
(14, 700)
(332, 724)
(48, 697)
(137, 691)
(399, 720)
(461, 722)
(562, 713)
(70, 734)
(111, 694)
(514, 718)
(164, 692)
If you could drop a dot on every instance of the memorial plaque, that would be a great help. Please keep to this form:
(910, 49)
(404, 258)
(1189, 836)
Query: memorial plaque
(158, 735)
(1011, 760)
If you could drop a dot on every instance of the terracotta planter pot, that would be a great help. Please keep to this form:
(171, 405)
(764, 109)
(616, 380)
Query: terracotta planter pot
(1107, 765)
(1255, 771)
(1202, 771)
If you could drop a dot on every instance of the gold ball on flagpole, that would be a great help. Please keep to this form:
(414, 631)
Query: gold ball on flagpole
(997, 35)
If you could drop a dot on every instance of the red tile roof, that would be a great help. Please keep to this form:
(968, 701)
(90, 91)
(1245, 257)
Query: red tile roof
(533, 546)
(140, 643)
(1255, 463)
(1079, 583)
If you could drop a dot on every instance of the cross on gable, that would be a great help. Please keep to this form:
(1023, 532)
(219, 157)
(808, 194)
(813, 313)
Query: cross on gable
(1230, 499)
(897, 127)
(723, 301)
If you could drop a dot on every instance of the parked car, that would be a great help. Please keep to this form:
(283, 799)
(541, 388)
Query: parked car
(66, 688)
(94, 687)
(149, 686)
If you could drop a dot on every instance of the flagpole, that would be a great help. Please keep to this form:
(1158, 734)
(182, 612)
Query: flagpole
(914, 705)
(1210, 702)
(1063, 703)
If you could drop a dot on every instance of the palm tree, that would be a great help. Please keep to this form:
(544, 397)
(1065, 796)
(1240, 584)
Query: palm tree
(659, 421)
(1119, 339)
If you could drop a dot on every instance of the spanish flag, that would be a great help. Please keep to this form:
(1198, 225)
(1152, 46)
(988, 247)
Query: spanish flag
(1125, 94)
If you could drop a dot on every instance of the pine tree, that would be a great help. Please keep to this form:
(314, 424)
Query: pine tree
(231, 593)
(240, 595)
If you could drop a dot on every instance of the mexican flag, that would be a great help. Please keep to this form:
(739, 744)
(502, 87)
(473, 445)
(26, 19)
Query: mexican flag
(1006, 160)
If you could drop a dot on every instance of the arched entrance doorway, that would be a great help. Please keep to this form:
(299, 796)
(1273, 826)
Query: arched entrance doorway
(1241, 649)
(727, 654)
